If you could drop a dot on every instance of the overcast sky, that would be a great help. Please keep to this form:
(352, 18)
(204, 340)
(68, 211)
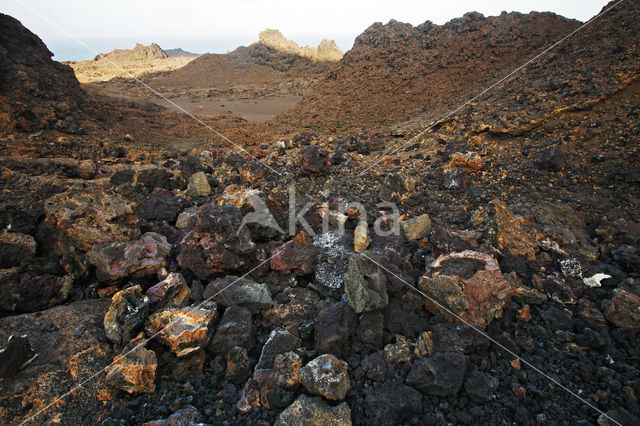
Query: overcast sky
(219, 26)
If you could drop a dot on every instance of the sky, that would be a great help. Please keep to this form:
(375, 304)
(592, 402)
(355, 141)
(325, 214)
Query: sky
(218, 26)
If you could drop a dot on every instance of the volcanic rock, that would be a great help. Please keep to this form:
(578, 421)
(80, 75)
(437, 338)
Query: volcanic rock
(239, 365)
(15, 355)
(469, 285)
(365, 284)
(153, 177)
(188, 415)
(198, 186)
(276, 383)
(279, 342)
(134, 370)
(172, 292)
(278, 369)
(326, 375)
(184, 330)
(314, 160)
(446, 240)
(133, 259)
(126, 315)
(481, 386)
(334, 327)
(182, 222)
(416, 227)
(469, 162)
(14, 248)
(392, 403)
(441, 374)
(396, 188)
(232, 291)
(235, 329)
(85, 218)
(623, 309)
(371, 328)
(160, 207)
(215, 242)
(510, 234)
(399, 351)
(361, 238)
(310, 411)
(297, 255)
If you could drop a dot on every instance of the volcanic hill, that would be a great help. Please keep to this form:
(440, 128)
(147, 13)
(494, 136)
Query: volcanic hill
(36, 92)
(273, 59)
(396, 71)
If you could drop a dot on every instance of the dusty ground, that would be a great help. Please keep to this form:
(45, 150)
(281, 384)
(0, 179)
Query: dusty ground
(105, 70)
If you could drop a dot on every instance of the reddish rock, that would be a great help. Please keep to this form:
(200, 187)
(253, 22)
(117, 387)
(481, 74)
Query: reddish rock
(215, 242)
(469, 284)
(510, 234)
(297, 255)
(470, 162)
(134, 370)
(132, 259)
(184, 330)
(314, 160)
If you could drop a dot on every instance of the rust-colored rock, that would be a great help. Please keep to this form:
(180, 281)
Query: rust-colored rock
(470, 162)
(468, 284)
(510, 234)
(184, 330)
(314, 160)
(297, 255)
(134, 370)
(361, 238)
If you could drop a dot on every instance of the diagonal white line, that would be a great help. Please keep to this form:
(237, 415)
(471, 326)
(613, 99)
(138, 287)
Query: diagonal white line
(515, 71)
(155, 92)
(139, 345)
(493, 340)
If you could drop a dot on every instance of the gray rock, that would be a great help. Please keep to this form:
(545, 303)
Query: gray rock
(309, 411)
(232, 291)
(481, 385)
(235, 329)
(279, 342)
(365, 284)
(326, 375)
(441, 374)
